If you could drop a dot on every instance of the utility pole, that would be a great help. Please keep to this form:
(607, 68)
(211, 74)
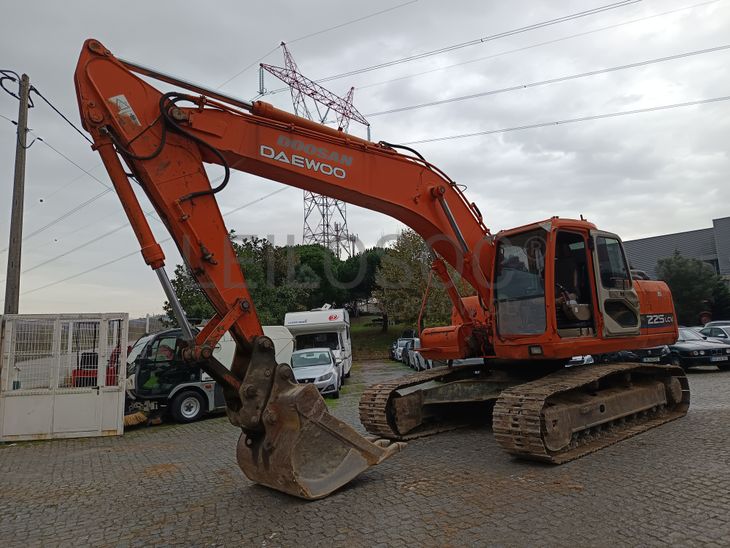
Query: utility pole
(12, 284)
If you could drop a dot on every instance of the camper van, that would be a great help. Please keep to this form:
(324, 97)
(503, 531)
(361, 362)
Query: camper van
(323, 328)
(158, 380)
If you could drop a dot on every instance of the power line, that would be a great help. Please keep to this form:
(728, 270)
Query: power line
(81, 246)
(69, 122)
(352, 21)
(247, 67)
(68, 213)
(570, 120)
(474, 42)
(97, 267)
(550, 81)
(107, 263)
(69, 160)
(62, 187)
(85, 244)
(539, 44)
(79, 207)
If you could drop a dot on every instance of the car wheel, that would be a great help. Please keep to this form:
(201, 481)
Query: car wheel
(336, 394)
(187, 406)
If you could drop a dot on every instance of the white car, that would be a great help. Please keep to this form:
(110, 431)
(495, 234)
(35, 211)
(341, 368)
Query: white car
(400, 343)
(318, 366)
(418, 362)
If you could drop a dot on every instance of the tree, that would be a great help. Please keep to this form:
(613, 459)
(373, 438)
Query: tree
(192, 299)
(285, 279)
(357, 273)
(402, 278)
(270, 277)
(695, 288)
(319, 266)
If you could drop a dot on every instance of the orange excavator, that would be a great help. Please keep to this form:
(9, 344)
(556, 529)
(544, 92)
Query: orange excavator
(541, 293)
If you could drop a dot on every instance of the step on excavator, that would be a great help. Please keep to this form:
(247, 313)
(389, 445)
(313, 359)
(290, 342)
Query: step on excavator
(541, 293)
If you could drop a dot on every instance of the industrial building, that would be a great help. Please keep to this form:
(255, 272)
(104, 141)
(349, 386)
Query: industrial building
(711, 245)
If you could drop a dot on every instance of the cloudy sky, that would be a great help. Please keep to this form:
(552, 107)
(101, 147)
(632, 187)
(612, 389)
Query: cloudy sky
(637, 175)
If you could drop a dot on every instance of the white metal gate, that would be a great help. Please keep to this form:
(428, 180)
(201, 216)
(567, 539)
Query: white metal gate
(62, 376)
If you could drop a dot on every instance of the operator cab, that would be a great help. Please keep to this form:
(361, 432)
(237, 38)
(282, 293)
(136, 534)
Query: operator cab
(559, 283)
(155, 365)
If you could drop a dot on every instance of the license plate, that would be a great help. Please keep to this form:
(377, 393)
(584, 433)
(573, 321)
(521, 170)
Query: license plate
(655, 359)
(718, 359)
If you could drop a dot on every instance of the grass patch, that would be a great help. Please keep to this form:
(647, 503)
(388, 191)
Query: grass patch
(369, 342)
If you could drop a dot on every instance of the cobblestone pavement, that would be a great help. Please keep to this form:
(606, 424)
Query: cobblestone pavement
(179, 484)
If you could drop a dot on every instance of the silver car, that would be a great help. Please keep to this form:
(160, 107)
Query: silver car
(319, 367)
(719, 333)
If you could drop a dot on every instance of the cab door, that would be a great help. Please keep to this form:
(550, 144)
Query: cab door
(617, 298)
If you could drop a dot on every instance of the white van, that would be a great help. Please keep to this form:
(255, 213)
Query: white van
(283, 345)
(328, 328)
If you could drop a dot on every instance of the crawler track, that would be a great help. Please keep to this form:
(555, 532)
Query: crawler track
(375, 400)
(519, 424)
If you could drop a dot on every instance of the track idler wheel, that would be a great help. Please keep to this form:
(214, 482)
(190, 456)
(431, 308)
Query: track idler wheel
(300, 448)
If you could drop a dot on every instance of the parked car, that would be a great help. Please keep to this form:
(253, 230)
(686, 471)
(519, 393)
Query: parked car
(409, 350)
(637, 274)
(717, 322)
(418, 362)
(580, 360)
(717, 333)
(393, 346)
(415, 359)
(406, 351)
(692, 349)
(466, 362)
(655, 354)
(318, 366)
(400, 343)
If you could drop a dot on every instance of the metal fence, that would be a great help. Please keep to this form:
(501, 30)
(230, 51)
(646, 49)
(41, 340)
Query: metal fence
(69, 369)
(62, 352)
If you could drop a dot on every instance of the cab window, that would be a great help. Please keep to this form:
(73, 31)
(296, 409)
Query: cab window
(163, 350)
(612, 264)
(520, 284)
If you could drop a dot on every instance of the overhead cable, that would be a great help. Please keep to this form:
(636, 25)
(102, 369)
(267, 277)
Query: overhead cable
(474, 42)
(247, 67)
(538, 44)
(107, 263)
(569, 120)
(549, 81)
(61, 114)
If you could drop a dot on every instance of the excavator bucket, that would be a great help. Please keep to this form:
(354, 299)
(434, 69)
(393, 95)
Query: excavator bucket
(301, 449)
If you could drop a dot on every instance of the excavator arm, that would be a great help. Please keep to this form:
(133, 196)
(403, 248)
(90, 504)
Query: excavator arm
(288, 440)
